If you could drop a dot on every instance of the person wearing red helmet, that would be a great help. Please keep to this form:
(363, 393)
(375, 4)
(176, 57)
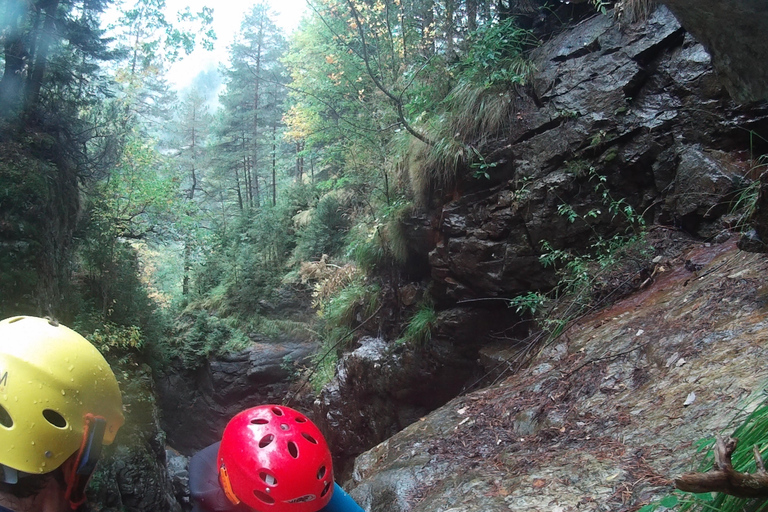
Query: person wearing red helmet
(271, 458)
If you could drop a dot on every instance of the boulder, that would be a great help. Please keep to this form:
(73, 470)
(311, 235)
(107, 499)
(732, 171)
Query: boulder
(637, 108)
(198, 403)
(733, 33)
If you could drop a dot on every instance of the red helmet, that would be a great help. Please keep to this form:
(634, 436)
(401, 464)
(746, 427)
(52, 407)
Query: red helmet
(273, 459)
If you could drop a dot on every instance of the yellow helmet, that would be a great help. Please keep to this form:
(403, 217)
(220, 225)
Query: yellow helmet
(53, 382)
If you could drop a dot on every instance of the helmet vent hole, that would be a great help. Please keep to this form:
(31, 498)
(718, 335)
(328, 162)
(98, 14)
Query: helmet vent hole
(301, 419)
(266, 440)
(266, 498)
(5, 418)
(309, 438)
(293, 449)
(267, 478)
(259, 421)
(277, 411)
(321, 473)
(325, 489)
(54, 418)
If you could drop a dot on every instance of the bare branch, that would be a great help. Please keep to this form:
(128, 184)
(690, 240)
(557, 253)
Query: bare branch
(723, 478)
(397, 101)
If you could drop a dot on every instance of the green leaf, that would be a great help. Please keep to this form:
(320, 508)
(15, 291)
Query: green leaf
(669, 502)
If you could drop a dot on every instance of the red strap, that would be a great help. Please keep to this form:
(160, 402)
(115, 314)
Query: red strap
(76, 483)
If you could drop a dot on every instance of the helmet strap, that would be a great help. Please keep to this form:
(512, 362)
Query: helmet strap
(226, 485)
(8, 475)
(78, 470)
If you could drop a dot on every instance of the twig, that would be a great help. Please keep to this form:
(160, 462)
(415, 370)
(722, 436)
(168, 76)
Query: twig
(723, 478)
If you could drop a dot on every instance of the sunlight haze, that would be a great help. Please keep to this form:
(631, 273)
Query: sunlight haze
(227, 16)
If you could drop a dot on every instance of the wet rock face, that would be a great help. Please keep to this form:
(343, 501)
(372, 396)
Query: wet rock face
(132, 474)
(739, 52)
(198, 403)
(379, 390)
(602, 418)
(381, 387)
(639, 105)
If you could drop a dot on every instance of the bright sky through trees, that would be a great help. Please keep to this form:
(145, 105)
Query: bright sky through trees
(227, 16)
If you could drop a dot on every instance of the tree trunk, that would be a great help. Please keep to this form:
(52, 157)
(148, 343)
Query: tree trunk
(256, 104)
(274, 164)
(40, 58)
(471, 6)
(299, 161)
(16, 58)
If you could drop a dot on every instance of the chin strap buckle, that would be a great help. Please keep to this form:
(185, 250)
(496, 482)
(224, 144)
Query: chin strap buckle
(226, 485)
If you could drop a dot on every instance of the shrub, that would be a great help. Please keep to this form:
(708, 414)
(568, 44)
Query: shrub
(419, 328)
(199, 335)
(325, 230)
(380, 242)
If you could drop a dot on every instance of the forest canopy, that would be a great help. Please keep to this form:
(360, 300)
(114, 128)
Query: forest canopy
(130, 204)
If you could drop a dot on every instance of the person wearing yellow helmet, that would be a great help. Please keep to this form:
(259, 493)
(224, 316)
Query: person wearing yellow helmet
(59, 403)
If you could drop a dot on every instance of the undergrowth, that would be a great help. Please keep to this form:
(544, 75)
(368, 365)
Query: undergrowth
(479, 106)
(418, 331)
(580, 275)
(200, 334)
(745, 202)
(344, 300)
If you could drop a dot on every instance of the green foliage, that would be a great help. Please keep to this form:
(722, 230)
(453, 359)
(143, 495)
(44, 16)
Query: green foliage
(24, 198)
(325, 359)
(419, 328)
(479, 105)
(340, 314)
(351, 304)
(580, 275)
(112, 337)
(155, 41)
(600, 5)
(199, 334)
(746, 196)
(481, 167)
(495, 55)
(746, 201)
(140, 199)
(243, 263)
(528, 303)
(326, 230)
(377, 242)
